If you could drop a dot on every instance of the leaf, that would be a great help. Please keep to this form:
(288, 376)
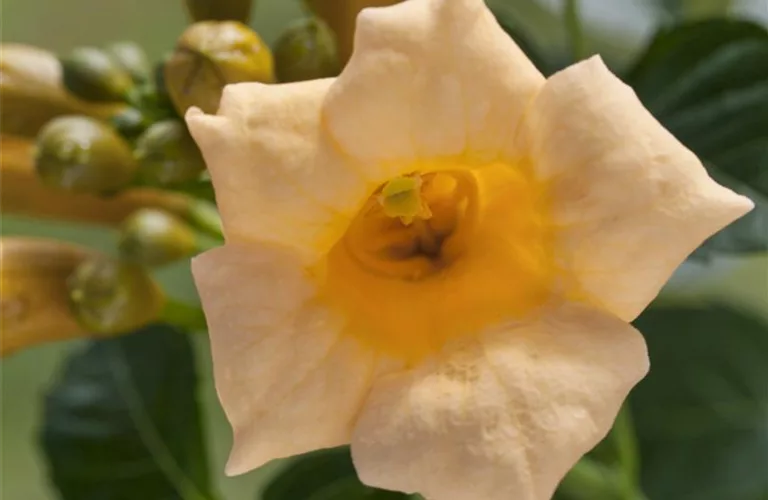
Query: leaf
(517, 32)
(707, 82)
(122, 422)
(702, 412)
(325, 475)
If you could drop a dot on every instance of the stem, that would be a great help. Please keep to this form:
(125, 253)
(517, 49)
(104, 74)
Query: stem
(184, 315)
(575, 29)
(205, 217)
(625, 441)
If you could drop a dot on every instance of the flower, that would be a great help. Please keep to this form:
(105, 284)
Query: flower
(435, 256)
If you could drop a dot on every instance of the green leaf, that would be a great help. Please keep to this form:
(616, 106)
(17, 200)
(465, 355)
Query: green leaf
(122, 421)
(516, 30)
(702, 412)
(707, 82)
(324, 475)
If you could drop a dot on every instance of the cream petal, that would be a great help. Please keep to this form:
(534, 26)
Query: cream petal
(288, 382)
(277, 176)
(502, 418)
(429, 79)
(630, 200)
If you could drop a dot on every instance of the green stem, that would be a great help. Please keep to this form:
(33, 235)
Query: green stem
(184, 315)
(575, 29)
(626, 448)
(204, 216)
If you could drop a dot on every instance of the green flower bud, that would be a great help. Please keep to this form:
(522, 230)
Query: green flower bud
(130, 123)
(132, 58)
(167, 154)
(210, 55)
(83, 154)
(305, 51)
(31, 92)
(153, 238)
(219, 10)
(109, 296)
(93, 75)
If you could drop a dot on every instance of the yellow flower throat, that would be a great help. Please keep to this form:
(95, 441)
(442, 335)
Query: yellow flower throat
(441, 255)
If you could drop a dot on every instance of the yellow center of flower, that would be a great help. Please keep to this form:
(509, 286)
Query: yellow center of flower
(436, 256)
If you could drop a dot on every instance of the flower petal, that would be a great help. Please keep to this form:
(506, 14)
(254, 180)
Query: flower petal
(631, 201)
(277, 176)
(288, 382)
(429, 78)
(504, 418)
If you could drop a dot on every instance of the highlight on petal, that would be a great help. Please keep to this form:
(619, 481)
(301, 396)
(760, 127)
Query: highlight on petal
(630, 201)
(288, 382)
(429, 78)
(277, 176)
(505, 417)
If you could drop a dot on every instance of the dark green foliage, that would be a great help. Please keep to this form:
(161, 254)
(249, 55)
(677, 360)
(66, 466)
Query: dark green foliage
(122, 422)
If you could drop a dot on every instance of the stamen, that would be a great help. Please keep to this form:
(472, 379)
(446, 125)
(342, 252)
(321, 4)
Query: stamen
(401, 197)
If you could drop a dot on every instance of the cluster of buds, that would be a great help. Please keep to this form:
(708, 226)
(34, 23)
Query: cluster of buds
(97, 135)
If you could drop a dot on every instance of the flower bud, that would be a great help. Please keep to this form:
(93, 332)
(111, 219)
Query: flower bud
(83, 154)
(219, 10)
(341, 16)
(153, 238)
(167, 154)
(110, 296)
(93, 75)
(210, 55)
(129, 123)
(131, 58)
(305, 51)
(34, 304)
(32, 93)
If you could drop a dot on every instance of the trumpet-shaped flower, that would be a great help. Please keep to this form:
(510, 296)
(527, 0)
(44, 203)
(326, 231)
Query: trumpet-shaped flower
(435, 256)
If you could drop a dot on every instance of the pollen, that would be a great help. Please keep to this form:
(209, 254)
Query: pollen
(442, 254)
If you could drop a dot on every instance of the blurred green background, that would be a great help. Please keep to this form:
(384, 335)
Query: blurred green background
(619, 26)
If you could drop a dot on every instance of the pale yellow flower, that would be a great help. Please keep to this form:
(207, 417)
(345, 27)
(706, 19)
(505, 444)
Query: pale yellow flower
(435, 256)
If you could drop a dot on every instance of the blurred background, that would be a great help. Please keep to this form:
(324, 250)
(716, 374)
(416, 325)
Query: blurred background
(618, 29)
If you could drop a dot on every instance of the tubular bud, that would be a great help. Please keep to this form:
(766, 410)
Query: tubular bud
(129, 123)
(219, 10)
(131, 58)
(341, 16)
(82, 154)
(167, 154)
(305, 51)
(32, 93)
(153, 237)
(110, 296)
(34, 304)
(210, 55)
(93, 75)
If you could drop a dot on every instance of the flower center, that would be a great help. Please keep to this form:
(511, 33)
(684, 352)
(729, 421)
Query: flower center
(432, 257)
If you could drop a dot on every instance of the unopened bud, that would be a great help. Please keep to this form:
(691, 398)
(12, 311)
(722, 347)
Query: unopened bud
(167, 154)
(210, 55)
(131, 58)
(129, 123)
(110, 296)
(34, 303)
(306, 51)
(341, 15)
(93, 75)
(153, 238)
(220, 10)
(31, 92)
(83, 154)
